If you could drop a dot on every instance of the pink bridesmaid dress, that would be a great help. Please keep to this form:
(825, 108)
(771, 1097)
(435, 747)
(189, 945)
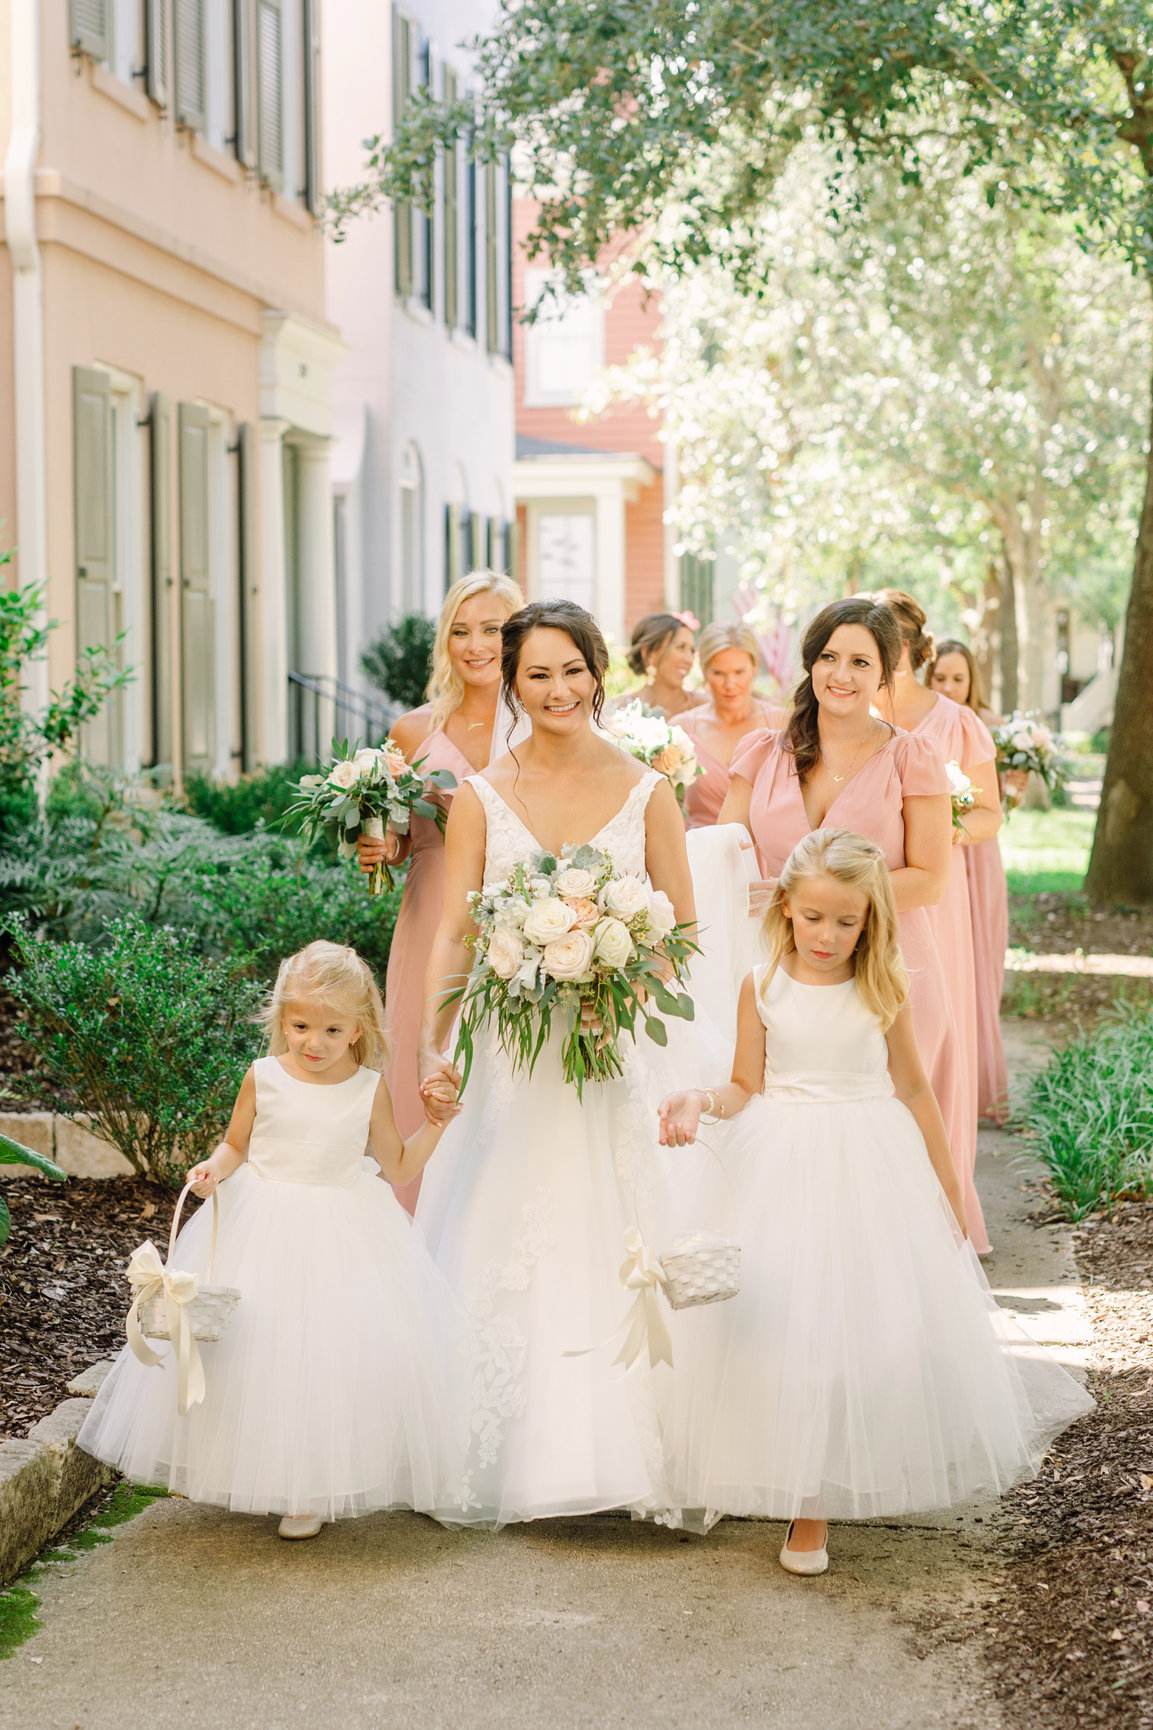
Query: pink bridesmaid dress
(963, 738)
(989, 905)
(705, 793)
(870, 804)
(416, 925)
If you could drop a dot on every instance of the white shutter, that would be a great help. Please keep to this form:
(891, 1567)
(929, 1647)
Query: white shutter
(156, 50)
(197, 627)
(244, 106)
(313, 191)
(402, 211)
(92, 476)
(191, 65)
(270, 91)
(163, 585)
(88, 27)
(249, 582)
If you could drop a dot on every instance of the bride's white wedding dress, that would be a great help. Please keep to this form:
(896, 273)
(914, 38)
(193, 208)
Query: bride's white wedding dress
(525, 1208)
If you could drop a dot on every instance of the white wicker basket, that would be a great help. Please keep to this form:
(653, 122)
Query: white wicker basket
(210, 1309)
(701, 1268)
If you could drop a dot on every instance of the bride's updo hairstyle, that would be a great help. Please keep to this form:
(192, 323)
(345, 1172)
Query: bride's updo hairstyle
(802, 737)
(337, 979)
(582, 631)
(913, 620)
(879, 972)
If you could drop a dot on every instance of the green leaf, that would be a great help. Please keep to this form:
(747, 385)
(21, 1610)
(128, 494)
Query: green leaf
(13, 1153)
(5, 1222)
(656, 1030)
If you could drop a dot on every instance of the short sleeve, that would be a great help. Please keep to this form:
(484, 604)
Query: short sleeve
(754, 752)
(920, 765)
(979, 746)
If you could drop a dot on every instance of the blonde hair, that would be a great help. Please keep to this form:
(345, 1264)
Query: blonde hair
(336, 977)
(879, 969)
(445, 686)
(718, 637)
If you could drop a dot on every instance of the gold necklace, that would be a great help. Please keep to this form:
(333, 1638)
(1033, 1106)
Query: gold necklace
(852, 761)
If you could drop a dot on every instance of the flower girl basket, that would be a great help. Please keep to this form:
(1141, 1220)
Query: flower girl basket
(701, 1268)
(173, 1304)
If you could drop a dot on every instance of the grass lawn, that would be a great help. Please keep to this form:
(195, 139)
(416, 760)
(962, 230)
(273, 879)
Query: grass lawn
(1047, 851)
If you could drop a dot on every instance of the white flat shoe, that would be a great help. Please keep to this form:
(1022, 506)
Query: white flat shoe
(802, 1561)
(300, 1526)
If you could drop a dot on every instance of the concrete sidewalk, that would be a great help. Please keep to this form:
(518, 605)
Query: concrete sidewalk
(194, 1620)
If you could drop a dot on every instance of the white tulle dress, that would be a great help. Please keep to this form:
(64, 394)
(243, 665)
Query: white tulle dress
(865, 1367)
(332, 1390)
(526, 1209)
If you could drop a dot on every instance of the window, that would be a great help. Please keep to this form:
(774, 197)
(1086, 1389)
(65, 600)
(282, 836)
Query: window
(566, 557)
(564, 348)
(424, 238)
(698, 586)
(451, 215)
(402, 44)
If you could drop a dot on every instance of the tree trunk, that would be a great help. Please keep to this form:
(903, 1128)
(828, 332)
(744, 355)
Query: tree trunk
(1121, 865)
(1010, 648)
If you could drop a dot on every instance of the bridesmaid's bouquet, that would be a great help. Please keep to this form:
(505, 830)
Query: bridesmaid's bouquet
(566, 936)
(648, 737)
(1026, 744)
(961, 793)
(361, 791)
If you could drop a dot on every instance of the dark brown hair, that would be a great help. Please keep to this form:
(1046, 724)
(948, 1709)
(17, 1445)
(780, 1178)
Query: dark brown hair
(581, 629)
(650, 635)
(802, 736)
(912, 619)
(976, 698)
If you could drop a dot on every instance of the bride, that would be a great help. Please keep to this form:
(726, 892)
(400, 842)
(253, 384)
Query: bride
(528, 1202)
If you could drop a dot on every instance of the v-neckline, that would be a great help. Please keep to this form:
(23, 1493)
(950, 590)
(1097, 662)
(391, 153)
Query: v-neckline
(591, 842)
(439, 732)
(843, 790)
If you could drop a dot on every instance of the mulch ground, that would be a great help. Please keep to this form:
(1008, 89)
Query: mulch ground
(63, 1295)
(1068, 1628)
(1070, 1003)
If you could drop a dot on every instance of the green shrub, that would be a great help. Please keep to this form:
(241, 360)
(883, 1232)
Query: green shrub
(145, 1038)
(399, 662)
(1091, 1114)
(239, 807)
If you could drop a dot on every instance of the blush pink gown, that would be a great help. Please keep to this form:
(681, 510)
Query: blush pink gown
(871, 804)
(989, 905)
(705, 793)
(962, 738)
(416, 925)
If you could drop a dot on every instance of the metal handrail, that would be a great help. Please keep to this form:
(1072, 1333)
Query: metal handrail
(323, 707)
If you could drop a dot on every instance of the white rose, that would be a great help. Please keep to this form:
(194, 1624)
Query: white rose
(662, 914)
(612, 944)
(625, 897)
(1022, 741)
(575, 883)
(505, 953)
(547, 920)
(367, 761)
(569, 957)
(959, 782)
(343, 775)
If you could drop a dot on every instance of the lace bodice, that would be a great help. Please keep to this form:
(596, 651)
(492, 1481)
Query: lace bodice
(508, 840)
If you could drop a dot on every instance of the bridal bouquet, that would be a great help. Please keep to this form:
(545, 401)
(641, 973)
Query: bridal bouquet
(566, 936)
(361, 791)
(646, 735)
(960, 793)
(1026, 744)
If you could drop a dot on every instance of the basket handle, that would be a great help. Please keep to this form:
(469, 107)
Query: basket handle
(176, 1227)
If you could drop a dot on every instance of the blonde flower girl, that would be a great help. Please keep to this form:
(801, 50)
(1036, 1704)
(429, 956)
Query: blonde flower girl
(865, 1368)
(329, 1393)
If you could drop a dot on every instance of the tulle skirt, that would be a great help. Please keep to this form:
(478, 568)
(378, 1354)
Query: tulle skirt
(865, 1367)
(334, 1390)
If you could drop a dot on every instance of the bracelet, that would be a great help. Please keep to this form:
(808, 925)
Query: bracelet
(711, 1109)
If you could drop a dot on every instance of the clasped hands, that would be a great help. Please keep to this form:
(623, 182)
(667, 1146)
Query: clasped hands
(439, 1088)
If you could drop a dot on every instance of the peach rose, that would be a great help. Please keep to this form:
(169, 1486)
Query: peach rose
(569, 957)
(584, 912)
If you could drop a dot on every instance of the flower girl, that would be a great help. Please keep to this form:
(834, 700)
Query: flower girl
(864, 1368)
(327, 1395)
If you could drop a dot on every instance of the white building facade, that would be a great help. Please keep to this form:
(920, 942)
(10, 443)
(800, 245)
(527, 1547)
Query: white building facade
(422, 465)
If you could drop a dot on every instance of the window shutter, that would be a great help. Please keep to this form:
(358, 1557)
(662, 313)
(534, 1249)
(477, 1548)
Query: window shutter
(313, 191)
(506, 262)
(191, 65)
(88, 27)
(249, 502)
(464, 540)
(451, 215)
(402, 209)
(244, 108)
(451, 545)
(163, 620)
(270, 91)
(92, 471)
(477, 553)
(156, 50)
(472, 227)
(197, 633)
(491, 296)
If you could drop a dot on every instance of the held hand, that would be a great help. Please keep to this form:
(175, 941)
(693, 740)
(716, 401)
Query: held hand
(202, 1178)
(371, 849)
(1016, 781)
(680, 1116)
(439, 1087)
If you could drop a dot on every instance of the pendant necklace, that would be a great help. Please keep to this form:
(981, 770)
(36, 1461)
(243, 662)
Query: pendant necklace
(852, 761)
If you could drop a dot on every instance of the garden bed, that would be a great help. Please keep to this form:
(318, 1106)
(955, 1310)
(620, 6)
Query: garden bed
(1072, 1002)
(63, 1295)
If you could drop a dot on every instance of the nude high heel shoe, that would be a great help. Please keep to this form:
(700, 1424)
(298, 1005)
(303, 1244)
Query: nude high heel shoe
(804, 1561)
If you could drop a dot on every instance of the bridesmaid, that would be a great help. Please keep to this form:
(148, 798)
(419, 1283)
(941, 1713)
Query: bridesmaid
(836, 763)
(729, 659)
(453, 730)
(953, 673)
(962, 738)
(661, 654)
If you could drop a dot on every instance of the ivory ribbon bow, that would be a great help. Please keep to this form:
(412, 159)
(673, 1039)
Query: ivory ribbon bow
(149, 1278)
(644, 1325)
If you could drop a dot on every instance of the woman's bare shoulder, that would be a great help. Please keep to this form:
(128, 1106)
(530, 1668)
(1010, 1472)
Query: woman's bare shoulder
(412, 729)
